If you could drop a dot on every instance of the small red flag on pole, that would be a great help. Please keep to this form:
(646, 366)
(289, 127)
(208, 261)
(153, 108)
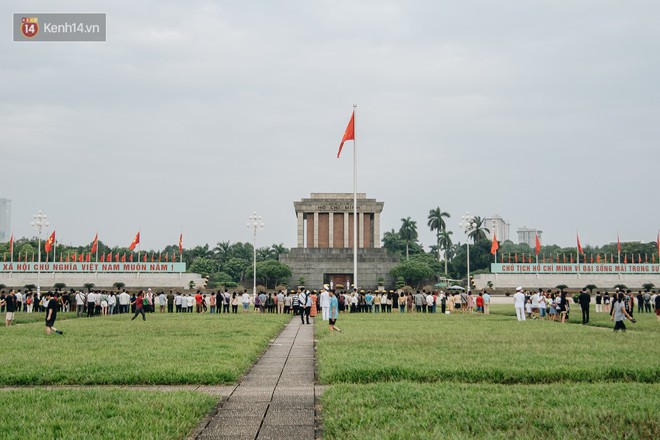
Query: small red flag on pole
(135, 241)
(95, 244)
(538, 244)
(49, 243)
(349, 134)
(495, 246)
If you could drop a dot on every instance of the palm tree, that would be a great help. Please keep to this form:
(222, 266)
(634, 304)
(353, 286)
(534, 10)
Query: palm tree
(222, 251)
(479, 232)
(408, 232)
(436, 223)
(391, 241)
(444, 241)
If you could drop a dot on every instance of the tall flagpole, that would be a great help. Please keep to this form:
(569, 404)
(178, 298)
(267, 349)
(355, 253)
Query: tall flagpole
(355, 218)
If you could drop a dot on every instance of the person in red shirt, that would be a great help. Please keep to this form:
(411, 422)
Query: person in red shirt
(198, 301)
(139, 306)
(480, 303)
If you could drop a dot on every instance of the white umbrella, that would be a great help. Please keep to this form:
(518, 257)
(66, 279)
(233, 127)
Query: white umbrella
(456, 288)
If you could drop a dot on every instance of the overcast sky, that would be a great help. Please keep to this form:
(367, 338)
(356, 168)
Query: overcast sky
(195, 114)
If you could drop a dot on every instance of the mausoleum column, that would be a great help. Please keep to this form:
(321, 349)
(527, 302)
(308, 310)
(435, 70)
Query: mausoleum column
(316, 229)
(346, 226)
(361, 230)
(331, 230)
(376, 238)
(301, 230)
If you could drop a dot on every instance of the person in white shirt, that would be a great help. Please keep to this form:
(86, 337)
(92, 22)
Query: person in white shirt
(429, 302)
(91, 304)
(519, 303)
(80, 303)
(245, 299)
(112, 301)
(124, 301)
(325, 303)
(163, 301)
(191, 302)
(177, 302)
(486, 298)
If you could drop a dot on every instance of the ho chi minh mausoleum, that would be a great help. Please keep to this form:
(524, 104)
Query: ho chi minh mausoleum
(324, 251)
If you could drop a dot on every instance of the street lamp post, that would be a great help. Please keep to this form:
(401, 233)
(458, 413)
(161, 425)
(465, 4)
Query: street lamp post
(39, 221)
(254, 222)
(468, 225)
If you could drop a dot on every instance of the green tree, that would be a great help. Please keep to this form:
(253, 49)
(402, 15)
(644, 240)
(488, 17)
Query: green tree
(446, 244)
(480, 231)
(408, 233)
(59, 286)
(118, 285)
(436, 222)
(89, 286)
(222, 251)
(272, 272)
(236, 268)
(392, 242)
(413, 272)
(590, 287)
(204, 266)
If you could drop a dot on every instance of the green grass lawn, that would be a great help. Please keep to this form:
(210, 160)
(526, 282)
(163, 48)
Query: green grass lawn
(645, 321)
(107, 413)
(476, 348)
(166, 349)
(407, 410)
(26, 318)
(476, 376)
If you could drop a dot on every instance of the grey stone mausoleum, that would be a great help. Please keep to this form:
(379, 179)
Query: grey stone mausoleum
(324, 251)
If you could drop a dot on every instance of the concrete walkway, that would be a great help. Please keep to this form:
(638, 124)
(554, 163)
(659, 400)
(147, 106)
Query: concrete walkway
(275, 400)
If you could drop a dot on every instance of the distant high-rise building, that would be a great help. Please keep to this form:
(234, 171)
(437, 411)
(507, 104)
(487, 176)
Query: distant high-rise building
(5, 219)
(497, 225)
(528, 235)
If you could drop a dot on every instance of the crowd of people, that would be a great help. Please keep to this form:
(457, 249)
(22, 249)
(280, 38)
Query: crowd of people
(306, 303)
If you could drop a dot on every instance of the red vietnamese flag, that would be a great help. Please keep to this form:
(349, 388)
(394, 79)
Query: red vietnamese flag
(598, 258)
(180, 244)
(123, 258)
(135, 242)
(103, 258)
(646, 258)
(75, 257)
(502, 258)
(579, 247)
(11, 246)
(117, 257)
(349, 134)
(515, 257)
(167, 256)
(538, 244)
(152, 257)
(625, 259)
(49, 243)
(159, 257)
(61, 258)
(591, 258)
(89, 257)
(95, 244)
(571, 258)
(495, 246)
(565, 258)
(618, 243)
(80, 257)
(144, 257)
(109, 257)
(130, 258)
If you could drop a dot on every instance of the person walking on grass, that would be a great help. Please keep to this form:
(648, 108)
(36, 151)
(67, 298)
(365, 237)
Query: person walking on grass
(139, 306)
(51, 314)
(334, 312)
(619, 313)
(584, 299)
(9, 303)
(519, 304)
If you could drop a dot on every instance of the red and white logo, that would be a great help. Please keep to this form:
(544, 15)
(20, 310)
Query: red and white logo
(29, 27)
